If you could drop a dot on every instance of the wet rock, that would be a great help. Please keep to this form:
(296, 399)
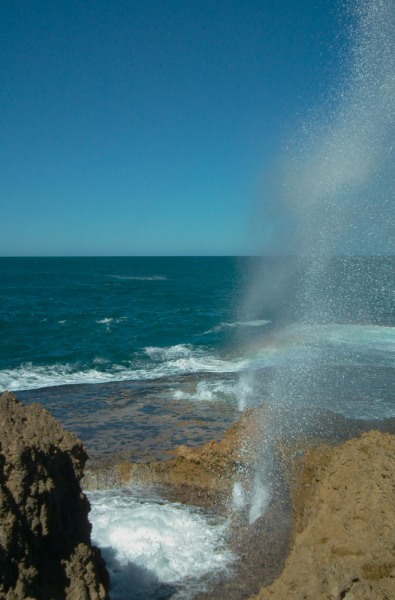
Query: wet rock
(203, 476)
(45, 547)
(342, 544)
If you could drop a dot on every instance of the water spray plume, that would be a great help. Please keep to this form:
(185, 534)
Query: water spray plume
(339, 183)
(336, 188)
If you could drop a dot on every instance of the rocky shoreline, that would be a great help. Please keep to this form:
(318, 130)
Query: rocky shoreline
(45, 547)
(327, 532)
(342, 542)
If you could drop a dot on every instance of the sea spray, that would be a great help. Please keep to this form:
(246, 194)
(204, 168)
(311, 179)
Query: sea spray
(335, 191)
(244, 389)
(153, 547)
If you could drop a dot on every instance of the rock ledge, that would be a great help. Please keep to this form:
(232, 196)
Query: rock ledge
(343, 540)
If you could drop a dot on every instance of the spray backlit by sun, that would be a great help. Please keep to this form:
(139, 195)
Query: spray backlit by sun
(336, 192)
(340, 182)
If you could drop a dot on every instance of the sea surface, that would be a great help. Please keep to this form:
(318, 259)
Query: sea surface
(140, 355)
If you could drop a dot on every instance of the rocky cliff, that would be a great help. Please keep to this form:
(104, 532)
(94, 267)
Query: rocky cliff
(343, 538)
(45, 548)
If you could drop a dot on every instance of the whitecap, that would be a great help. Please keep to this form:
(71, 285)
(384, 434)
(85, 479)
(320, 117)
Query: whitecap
(169, 352)
(210, 391)
(256, 323)
(361, 344)
(106, 322)
(109, 320)
(30, 376)
(100, 361)
(140, 277)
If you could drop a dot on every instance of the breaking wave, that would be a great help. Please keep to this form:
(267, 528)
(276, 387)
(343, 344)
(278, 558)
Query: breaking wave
(151, 543)
(337, 344)
(222, 326)
(139, 277)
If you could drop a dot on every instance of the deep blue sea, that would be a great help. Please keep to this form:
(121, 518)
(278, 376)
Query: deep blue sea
(92, 320)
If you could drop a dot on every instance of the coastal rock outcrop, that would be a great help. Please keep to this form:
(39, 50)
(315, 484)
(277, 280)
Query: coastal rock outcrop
(343, 538)
(202, 475)
(45, 547)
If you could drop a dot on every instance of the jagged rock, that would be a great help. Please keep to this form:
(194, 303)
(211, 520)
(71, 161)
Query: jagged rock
(343, 524)
(202, 475)
(45, 547)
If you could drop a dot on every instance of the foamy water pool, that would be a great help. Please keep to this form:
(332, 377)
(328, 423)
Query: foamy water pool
(154, 548)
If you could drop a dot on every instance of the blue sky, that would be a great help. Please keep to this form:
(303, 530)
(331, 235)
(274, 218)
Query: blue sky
(135, 128)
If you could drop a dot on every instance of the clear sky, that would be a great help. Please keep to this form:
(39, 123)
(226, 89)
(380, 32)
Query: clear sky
(148, 128)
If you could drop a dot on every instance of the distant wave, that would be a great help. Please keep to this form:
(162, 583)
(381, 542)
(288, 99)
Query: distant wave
(170, 352)
(212, 391)
(178, 362)
(257, 323)
(340, 344)
(140, 277)
(109, 320)
(356, 337)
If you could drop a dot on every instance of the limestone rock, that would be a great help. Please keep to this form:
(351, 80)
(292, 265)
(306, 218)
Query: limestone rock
(45, 547)
(343, 541)
(202, 475)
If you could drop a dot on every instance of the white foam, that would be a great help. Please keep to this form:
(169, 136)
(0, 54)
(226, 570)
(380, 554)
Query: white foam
(244, 389)
(178, 351)
(139, 277)
(168, 541)
(29, 376)
(98, 360)
(221, 326)
(257, 323)
(106, 322)
(361, 344)
(238, 496)
(203, 392)
(109, 320)
(210, 391)
(260, 498)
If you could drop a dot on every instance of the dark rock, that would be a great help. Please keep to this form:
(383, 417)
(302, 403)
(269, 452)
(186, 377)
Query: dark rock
(45, 547)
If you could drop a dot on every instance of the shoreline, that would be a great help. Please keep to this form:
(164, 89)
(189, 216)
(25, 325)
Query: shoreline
(323, 532)
(204, 476)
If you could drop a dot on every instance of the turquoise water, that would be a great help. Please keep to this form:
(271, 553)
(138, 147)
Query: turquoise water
(77, 320)
(107, 342)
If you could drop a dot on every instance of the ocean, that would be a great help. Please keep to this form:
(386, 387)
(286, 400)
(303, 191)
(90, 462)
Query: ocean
(140, 355)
